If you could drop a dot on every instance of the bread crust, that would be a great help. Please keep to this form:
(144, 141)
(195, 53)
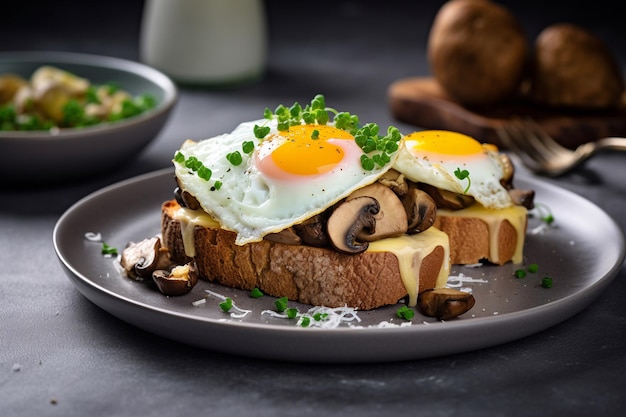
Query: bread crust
(470, 240)
(311, 275)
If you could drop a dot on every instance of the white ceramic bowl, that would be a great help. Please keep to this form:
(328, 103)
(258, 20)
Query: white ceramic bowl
(43, 157)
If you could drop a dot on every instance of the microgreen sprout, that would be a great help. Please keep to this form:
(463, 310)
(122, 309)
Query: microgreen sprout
(261, 131)
(462, 175)
(405, 313)
(377, 149)
(234, 158)
(247, 147)
(196, 166)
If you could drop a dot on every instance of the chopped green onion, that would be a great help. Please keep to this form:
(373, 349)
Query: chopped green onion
(256, 293)
(405, 313)
(227, 304)
(520, 273)
(108, 250)
(533, 268)
(292, 313)
(216, 185)
(546, 282)
(281, 304)
(320, 316)
(305, 321)
(179, 157)
(315, 134)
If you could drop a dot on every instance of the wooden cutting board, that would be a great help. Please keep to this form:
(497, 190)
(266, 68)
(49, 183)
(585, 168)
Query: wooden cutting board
(420, 101)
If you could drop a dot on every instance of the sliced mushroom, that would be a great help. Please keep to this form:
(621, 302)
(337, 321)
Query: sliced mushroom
(508, 171)
(185, 199)
(179, 281)
(391, 219)
(286, 236)
(313, 231)
(140, 259)
(444, 303)
(420, 209)
(447, 199)
(348, 220)
(524, 198)
(396, 181)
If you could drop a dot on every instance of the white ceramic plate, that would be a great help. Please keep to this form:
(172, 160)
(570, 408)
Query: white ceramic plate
(581, 257)
(40, 157)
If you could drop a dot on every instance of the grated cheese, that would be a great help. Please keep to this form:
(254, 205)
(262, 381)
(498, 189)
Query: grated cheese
(238, 313)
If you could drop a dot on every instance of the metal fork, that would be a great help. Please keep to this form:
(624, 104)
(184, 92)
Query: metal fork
(542, 154)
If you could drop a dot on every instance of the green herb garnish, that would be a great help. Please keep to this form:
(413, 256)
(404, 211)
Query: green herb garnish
(315, 134)
(204, 173)
(256, 293)
(520, 273)
(462, 175)
(261, 131)
(108, 250)
(247, 147)
(377, 148)
(545, 214)
(405, 313)
(234, 158)
(320, 316)
(281, 304)
(546, 282)
(533, 268)
(292, 313)
(227, 304)
(305, 321)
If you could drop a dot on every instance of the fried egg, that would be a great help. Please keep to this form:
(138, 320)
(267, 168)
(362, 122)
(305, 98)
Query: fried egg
(289, 176)
(455, 162)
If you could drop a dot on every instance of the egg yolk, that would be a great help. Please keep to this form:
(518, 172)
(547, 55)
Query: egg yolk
(443, 142)
(308, 151)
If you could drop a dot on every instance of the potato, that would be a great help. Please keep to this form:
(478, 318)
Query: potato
(572, 67)
(477, 51)
(9, 86)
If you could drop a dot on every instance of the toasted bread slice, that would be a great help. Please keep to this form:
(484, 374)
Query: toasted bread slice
(388, 271)
(478, 234)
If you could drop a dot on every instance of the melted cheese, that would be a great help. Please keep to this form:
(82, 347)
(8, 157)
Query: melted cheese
(411, 251)
(189, 219)
(516, 215)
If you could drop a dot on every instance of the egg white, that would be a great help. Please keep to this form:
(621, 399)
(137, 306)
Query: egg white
(253, 204)
(437, 169)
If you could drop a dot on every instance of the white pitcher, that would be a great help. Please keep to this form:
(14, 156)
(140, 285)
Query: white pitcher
(206, 42)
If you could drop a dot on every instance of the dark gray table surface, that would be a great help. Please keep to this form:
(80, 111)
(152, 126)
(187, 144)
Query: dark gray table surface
(62, 355)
